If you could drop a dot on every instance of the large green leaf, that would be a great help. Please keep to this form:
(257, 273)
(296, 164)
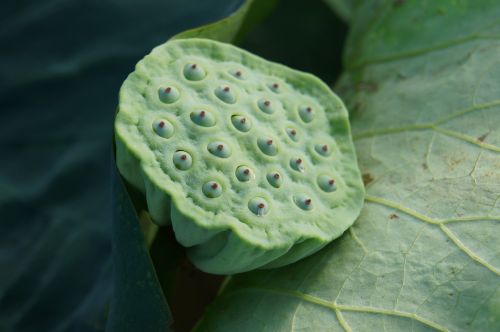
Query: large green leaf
(423, 84)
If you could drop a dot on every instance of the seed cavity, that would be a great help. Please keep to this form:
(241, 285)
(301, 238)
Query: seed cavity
(303, 201)
(292, 133)
(244, 173)
(163, 128)
(168, 95)
(266, 106)
(212, 189)
(219, 149)
(258, 206)
(306, 113)
(238, 73)
(203, 118)
(182, 160)
(241, 123)
(267, 145)
(226, 94)
(323, 149)
(194, 72)
(327, 183)
(275, 179)
(297, 164)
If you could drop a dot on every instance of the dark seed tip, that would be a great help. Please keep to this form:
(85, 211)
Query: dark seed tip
(214, 186)
(243, 120)
(161, 124)
(298, 161)
(275, 85)
(193, 66)
(226, 89)
(293, 132)
(220, 147)
(331, 182)
(238, 73)
(307, 201)
(246, 171)
(261, 206)
(325, 147)
(167, 90)
(267, 103)
(309, 110)
(183, 157)
(276, 176)
(269, 142)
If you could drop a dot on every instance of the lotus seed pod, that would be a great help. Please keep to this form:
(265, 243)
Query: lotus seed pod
(194, 72)
(241, 123)
(203, 118)
(168, 95)
(244, 184)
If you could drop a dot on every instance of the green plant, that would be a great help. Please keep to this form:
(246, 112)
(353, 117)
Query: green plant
(251, 162)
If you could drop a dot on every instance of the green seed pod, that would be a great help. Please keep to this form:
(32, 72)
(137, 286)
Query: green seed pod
(246, 184)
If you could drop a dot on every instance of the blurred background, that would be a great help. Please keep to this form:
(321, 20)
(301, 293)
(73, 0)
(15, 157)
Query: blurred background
(61, 65)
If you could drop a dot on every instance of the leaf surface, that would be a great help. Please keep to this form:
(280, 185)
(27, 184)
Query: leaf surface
(422, 85)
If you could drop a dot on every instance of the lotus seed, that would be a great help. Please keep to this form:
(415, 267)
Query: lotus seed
(212, 189)
(244, 173)
(292, 133)
(306, 113)
(182, 160)
(258, 206)
(219, 149)
(241, 123)
(194, 72)
(203, 118)
(163, 128)
(274, 179)
(226, 94)
(297, 164)
(265, 106)
(274, 87)
(168, 95)
(268, 146)
(323, 149)
(326, 183)
(238, 74)
(303, 202)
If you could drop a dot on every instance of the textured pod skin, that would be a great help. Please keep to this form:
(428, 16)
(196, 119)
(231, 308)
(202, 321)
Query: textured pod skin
(227, 233)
